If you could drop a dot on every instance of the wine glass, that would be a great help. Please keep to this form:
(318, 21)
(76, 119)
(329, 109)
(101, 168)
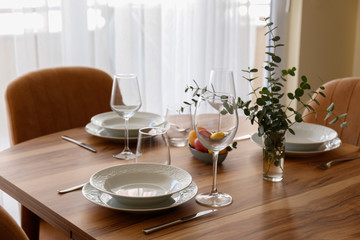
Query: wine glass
(222, 80)
(125, 101)
(216, 123)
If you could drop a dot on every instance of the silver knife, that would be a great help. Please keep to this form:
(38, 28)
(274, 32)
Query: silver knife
(79, 143)
(181, 220)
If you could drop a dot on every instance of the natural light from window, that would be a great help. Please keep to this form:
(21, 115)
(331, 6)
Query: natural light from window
(36, 16)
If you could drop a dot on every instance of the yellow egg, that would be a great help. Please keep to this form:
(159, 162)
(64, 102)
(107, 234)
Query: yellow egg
(217, 136)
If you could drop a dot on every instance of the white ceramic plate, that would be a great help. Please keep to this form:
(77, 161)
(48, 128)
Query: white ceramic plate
(308, 137)
(114, 125)
(141, 183)
(105, 200)
(102, 133)
(330, 145)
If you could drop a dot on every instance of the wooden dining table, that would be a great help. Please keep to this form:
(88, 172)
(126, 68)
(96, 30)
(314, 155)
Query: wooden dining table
(310, 203)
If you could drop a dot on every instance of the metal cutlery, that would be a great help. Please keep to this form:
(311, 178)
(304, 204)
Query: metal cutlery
(243, 137)
(181, 220)
(77, 187)
(79, 143)
(328, 164)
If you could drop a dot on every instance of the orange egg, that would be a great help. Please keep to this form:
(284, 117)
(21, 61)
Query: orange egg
(192, 136)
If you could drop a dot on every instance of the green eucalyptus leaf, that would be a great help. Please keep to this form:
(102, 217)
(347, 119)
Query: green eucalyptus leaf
(322, 94)
(267, 68)
(333, 121)
(276, 38)
(291, 131)
(223, 112)
(343, 124)
(310, 108)
(331, 107)
(342, 115)
(298, 117)
(228, 108)
(299, 92)
(327, 116)
(261, 130)
(276, 59)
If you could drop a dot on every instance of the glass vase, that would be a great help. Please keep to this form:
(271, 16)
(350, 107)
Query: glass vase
(273, 155)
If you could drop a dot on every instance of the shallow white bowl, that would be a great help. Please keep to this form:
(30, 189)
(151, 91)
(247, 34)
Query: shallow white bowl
(141, 183)
(114, 125)
(308, 137)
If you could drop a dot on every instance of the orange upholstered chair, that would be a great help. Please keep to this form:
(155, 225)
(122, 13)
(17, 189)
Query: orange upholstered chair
(52, 100)
(9, 229)
(345, 93)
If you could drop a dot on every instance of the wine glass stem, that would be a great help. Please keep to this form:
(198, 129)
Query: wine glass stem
(215, 161)
(127, 149)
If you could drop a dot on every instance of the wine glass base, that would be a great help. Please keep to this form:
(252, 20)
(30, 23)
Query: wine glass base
(125, 155)
(217, 199)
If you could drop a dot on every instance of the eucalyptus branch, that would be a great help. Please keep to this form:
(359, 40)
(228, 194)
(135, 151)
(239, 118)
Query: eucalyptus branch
(267, 111)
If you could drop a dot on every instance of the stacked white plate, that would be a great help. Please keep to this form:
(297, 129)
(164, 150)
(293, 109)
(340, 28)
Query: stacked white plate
(309, 139)
(111, 126)
(140, 187)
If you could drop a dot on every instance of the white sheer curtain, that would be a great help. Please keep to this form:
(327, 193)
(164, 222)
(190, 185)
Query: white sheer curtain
(167, 43)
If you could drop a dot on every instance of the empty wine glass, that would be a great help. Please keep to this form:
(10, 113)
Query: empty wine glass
(125, 101)
(222, 80)
(216, 122)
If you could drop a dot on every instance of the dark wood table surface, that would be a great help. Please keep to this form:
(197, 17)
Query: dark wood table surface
(309, 203)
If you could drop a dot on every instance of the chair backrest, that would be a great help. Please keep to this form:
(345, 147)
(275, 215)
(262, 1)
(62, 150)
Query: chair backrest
(9, 229)
(55, 99)
(345, 93)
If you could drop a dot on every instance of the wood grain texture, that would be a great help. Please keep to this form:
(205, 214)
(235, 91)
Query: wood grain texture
(309, 203)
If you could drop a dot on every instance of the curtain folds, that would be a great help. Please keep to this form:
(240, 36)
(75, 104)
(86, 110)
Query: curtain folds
(168, 44)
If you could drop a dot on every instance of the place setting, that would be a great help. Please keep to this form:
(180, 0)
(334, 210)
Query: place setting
(309, 140)
(149, 184)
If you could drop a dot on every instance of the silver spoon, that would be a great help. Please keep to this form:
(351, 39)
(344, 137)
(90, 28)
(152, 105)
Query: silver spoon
(328, 164)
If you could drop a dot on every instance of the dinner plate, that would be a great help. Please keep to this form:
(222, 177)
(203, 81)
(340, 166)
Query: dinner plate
(105, 200)
(100, 132)
(330, 145)
(114, 125)
(141, 183)
(308, 137)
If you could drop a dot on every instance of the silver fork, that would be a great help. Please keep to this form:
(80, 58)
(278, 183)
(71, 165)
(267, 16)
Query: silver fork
(77, 187)
(328, 164)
